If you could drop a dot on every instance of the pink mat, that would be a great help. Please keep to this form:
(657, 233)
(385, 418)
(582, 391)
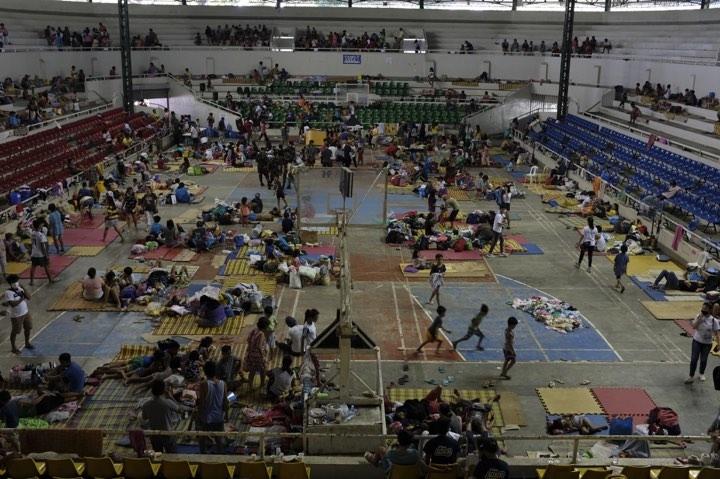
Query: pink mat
(684, 324)
(319, 250)
(57, 265)
(451, 255)
(519, 238)
(87, 223)
(624, 401)
(88, 236)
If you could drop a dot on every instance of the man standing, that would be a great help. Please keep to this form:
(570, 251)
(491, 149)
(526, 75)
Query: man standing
(39, 254)
(454, 207)
(497, 230)
(161, 413)
(212, 405)
(16, 297)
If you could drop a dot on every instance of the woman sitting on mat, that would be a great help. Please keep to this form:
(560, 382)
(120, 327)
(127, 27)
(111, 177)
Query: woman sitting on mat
(93, 288)
(111, 289)
(210, 312)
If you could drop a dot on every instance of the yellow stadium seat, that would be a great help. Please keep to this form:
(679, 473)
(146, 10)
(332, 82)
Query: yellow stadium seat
(670, 472)
(139, 468)
(555, 471)
(64, 468)
(102, 468)
(254, 470)
(594, 473)
(636, 472)
(24, 468)
(442, 472)
(404, 472)
(215, 470)
(177, 470)
(293, 470)
(706, 473)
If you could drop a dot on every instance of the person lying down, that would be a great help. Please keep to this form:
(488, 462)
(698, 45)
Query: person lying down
(571, 423)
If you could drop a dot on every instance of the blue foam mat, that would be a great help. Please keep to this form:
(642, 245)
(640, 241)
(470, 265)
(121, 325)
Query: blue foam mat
(654, 294)
(533, 340)
(531, 248)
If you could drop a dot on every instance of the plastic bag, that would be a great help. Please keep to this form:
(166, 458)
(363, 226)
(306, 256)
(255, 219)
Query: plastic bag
(295, 282)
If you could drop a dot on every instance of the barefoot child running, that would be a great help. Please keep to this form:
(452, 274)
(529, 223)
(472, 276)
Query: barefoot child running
(474, 329)
(509, 347)
(434, 330)
(620, 267)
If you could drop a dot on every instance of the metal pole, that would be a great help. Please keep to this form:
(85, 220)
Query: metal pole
(608, 5)
(125, 55)
(564, 85)
(576, 446)
(514, 5)
(297, 195)
(385, 200)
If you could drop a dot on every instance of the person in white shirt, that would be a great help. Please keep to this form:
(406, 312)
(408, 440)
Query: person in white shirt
(506, 197)
(309, 329)
(16, 298)
(587, 242)
(39, 254)
(707, 328)
(497, 230)
(601, 243)
(293, 341)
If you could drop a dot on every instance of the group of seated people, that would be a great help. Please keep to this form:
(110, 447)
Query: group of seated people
(460, 427)
(660, 92)
(127, 287)
(149, 40)
(311, 39)
(88, 38)
(236, 35)
(529, 47)
(57, 385)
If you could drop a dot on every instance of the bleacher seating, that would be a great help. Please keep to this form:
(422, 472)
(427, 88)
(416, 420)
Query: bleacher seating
(628, 164)
(50, 156)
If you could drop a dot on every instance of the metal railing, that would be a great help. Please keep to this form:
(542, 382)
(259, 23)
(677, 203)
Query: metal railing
(373, 440)
(621, 196)
(595, 56)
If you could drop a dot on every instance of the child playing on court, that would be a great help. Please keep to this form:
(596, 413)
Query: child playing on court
(474, 329)
(509, 347)
(434, 330)
(620, 267)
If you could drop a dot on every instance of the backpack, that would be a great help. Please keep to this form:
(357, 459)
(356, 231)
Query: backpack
(460, 245)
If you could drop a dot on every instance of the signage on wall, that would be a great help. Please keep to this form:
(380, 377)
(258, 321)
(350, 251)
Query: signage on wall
(352, 59)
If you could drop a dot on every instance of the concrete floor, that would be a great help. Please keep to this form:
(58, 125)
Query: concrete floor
(653, 354)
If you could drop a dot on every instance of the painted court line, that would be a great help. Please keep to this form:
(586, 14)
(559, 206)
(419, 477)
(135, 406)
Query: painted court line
(397, 318)
(584, 317)
(442, 331)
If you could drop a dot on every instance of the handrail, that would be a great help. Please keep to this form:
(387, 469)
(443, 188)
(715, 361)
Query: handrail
(608, 56)
(644, 134)
(263, 436)
(134, 149)
(626, 198)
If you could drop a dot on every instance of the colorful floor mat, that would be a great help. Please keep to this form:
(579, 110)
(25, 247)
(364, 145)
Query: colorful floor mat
(578, 222)
(671, 310)
(242, 169)
(13, 267)
(72, 300)
(477, 269)
(58, 264)
(460, 195)
(662, 295)
(569, 401)
(130, 351)
(399, 190)
(85, 250)
(624, 401)
(648, 266)
(187, 326)
(88, 236)
(266, 284)
(322, 230)
(511, 247)
(451, 255)
(239, 267)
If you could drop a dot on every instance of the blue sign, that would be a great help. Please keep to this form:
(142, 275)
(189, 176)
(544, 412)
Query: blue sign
(352, 59)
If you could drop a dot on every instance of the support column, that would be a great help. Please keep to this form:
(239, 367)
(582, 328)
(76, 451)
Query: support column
(514, 5)
(704, 4)
(422, 4)
(608, 5)
(349, 3)
(125, 55)
(562, 105)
